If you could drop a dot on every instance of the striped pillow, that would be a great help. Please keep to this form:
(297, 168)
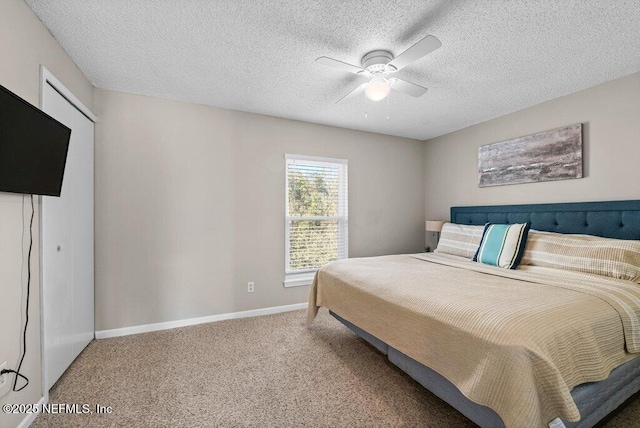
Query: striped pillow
(616, 258)
(502, 245)
(459, 240)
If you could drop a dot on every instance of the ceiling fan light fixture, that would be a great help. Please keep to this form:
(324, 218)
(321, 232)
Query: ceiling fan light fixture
(379, 64)
(378, 88)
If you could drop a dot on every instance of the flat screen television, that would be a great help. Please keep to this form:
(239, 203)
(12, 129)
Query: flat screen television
(33, 148)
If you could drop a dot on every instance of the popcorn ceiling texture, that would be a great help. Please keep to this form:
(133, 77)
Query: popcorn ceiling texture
(497, 57)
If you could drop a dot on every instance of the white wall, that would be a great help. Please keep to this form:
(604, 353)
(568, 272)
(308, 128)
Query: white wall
(610, 114)
(190, 205)
(24, 45)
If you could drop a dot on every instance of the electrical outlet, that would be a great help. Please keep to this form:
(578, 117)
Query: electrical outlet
(4, 380)
(250, 287)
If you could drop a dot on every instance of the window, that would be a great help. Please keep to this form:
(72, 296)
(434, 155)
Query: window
(316, 230)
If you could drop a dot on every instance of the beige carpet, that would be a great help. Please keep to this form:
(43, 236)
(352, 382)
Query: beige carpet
(267, 371)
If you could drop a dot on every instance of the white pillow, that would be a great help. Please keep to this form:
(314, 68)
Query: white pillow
(616, 258)
(460, 240)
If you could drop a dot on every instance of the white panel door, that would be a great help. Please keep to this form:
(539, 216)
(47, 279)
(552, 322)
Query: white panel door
(83, 248)
(67, 246)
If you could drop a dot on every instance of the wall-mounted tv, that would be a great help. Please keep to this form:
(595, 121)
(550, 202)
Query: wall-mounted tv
(33, 148)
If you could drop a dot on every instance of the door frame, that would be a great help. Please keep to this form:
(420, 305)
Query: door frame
(47, 78)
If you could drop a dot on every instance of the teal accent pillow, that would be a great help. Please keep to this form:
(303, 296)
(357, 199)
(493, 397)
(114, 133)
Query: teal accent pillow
(502, 245)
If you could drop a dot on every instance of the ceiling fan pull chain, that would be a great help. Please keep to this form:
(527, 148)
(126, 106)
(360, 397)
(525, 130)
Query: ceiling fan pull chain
(388, 101)
(365, 106)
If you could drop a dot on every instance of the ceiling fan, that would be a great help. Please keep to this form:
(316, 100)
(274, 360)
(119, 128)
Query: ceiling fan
(378, 65)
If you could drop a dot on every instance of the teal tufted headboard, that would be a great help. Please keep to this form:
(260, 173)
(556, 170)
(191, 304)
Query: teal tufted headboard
(612, 219)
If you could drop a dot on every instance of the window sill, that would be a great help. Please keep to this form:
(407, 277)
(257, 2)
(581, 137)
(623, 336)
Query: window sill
(298, 279)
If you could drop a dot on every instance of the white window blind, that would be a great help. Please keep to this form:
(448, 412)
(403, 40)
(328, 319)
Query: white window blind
(316, 213)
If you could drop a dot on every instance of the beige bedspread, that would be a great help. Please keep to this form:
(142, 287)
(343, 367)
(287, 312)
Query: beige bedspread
(516, 341)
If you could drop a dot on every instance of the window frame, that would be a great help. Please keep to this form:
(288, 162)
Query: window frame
(305, 277)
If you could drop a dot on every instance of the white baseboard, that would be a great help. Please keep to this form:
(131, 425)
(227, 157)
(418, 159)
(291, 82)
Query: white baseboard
(146, 328)
(28, 420)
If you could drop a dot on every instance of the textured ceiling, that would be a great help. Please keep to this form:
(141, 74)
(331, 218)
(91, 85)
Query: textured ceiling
(498, 56)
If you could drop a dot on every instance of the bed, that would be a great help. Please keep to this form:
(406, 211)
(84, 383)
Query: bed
(590, 370)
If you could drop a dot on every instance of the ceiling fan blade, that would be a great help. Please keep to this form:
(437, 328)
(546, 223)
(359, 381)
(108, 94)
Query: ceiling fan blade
(408, 88)
(353, 93)
(415, 52)
(330, 62)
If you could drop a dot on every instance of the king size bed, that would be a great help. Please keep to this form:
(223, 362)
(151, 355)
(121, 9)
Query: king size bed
(551, 343)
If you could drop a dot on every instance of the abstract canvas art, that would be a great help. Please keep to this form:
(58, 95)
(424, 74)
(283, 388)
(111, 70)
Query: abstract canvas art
(546, 156)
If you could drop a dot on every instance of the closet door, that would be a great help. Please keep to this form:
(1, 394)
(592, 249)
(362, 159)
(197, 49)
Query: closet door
(57, 232)
(82, 286)
(67, 246)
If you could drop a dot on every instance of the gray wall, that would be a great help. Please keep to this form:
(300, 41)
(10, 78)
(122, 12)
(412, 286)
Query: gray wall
(611, 136)
(24, 45)
(190, 205)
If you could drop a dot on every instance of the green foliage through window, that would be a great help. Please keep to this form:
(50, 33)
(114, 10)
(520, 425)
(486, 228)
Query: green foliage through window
(313, 193)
